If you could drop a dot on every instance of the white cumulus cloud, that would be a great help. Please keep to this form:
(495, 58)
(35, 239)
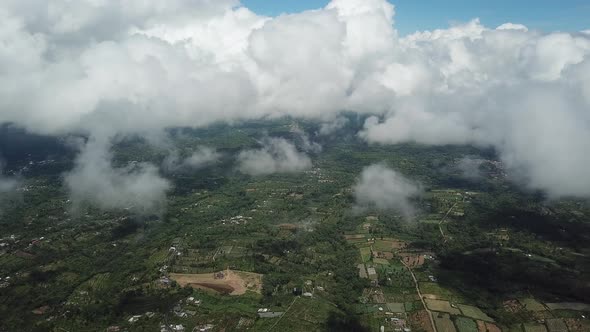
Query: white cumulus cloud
(139, 66)
(94, 181)
(383, 188)
(276, 156)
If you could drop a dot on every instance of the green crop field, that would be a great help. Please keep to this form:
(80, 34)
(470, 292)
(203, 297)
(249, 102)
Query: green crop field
(465, 324)
(474, 312)
(365, 254)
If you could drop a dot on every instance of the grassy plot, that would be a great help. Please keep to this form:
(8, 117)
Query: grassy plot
(85, 292)
(413, 306)
(532, 304)
(440, 292)
(442, 306)
(396, 307)
(569, 306)
(465, 324)
(365, 254)
(556, 325)
(529, 327)
(158, 257)
(371, 322)
(474, 312)
(380, 261)
(443, 322)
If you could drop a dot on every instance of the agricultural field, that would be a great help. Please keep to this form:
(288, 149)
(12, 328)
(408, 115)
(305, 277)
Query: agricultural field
(389, 244)
(474, 312)
(556, 325)
(568, 306)
(577, 324)
(380, 261)
(365, 254)
(302, 314)
(465, 324)
(442, 306)
(396, 307)
(489, 327)
(413, 306)
(532, 305)
(531, 327)
(443, 322)
(419, 320)
(441, 292)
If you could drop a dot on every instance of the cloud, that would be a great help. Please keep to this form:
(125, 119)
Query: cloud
(307, 144)
(276, 156)
(328, 128)
(8, 189)
(470, 168)
(512, 26)
(94, 181)
(382, 188)
(7, 184)
(202, 157)
(135, 67)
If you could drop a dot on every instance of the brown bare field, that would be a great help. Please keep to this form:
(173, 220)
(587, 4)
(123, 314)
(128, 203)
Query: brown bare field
(481, 326)
(512, 306)
(420, 321)
(487, 327)
(412, 259)
(430, 296)
(577, 324)
(290, 227)
(492, 327)
(219, 288)
(232, 283)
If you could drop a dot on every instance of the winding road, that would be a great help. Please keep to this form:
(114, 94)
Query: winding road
(420, 295)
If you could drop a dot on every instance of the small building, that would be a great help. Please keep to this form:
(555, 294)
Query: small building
(204, 328)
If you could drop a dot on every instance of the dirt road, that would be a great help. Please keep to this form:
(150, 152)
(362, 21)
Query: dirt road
(421, 297)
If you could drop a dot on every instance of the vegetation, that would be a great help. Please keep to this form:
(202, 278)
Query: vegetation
(90, 269)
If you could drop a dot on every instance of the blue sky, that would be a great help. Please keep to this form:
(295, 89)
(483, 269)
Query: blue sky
(412, 15)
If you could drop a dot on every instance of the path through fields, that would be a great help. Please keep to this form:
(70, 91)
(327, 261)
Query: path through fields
(421, 297)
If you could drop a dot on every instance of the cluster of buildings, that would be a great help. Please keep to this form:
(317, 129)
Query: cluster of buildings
(237, 220)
